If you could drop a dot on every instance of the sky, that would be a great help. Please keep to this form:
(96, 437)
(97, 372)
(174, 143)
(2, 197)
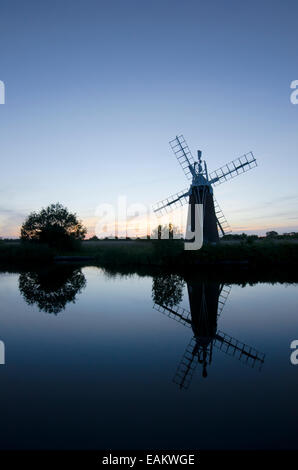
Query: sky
(94, 91)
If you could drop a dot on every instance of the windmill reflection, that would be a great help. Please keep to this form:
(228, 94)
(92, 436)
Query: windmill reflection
(206, 301)
(52, 288)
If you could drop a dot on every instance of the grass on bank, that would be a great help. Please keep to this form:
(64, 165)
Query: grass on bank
(169, 253)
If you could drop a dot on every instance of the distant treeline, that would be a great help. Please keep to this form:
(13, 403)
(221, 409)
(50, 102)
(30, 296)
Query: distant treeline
(238, 237)
(269, 235)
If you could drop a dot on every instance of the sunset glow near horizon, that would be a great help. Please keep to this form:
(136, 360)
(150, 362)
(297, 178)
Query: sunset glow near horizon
(94, 91)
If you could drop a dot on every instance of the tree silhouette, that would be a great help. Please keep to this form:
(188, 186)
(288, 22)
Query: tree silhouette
(272, 234)
(51, 289)
(164, 232)
(167, 289)
(55, 226)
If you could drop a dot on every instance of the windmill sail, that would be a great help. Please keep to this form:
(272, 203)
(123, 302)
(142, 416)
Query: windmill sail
(202, 353)
(180, 314)
(171, 203)
(187, 365)
(223, 296)
(183, 155)
(231, 346)
(232, 169)
(222, 222)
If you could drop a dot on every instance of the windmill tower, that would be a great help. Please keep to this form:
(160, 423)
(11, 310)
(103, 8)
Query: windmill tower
(201, 189)
(207, 301)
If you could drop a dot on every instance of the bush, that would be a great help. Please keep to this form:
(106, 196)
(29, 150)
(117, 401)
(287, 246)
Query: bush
(54, 226)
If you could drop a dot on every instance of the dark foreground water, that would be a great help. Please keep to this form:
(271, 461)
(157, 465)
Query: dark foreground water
(96, 361)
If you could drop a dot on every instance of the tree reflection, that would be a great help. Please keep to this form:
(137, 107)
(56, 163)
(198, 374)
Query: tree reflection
(51, 289)
(167, 289)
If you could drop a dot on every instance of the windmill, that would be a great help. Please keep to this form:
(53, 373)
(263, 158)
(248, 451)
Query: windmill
(207, 301)
(201, 189)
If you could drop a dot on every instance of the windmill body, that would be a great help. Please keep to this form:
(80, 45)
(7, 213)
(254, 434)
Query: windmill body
(201, 190)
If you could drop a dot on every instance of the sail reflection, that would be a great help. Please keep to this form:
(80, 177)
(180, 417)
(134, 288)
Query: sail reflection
(206, 301)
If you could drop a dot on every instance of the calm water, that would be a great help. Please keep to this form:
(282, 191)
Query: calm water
(94, 361)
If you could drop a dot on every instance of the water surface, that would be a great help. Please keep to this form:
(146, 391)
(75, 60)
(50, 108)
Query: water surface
(96, 361)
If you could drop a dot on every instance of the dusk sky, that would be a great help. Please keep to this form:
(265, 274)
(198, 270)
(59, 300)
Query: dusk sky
(94, 91)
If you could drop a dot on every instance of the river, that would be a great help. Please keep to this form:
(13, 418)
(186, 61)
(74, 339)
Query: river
(95, 360)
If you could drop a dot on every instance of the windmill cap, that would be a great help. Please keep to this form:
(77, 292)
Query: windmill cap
(199, 154)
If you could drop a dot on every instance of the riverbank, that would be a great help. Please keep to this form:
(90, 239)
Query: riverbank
(170, 254)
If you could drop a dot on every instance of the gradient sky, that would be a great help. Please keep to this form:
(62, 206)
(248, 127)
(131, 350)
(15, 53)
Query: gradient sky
(96, 89)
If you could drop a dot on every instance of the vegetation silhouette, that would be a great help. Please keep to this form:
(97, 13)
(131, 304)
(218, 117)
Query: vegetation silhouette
(54, 226)
(51, 289)
(164, 232)
(167, 289)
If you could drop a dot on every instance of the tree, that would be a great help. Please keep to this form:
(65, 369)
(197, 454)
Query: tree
(167, 289)
(166, 232)
(55, 226)
(271, 234)
(93, 239)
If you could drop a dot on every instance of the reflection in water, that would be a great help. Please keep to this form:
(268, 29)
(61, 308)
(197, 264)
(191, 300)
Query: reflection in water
(51, 289)
(206, 301)
(79, 381)
(167, 289)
